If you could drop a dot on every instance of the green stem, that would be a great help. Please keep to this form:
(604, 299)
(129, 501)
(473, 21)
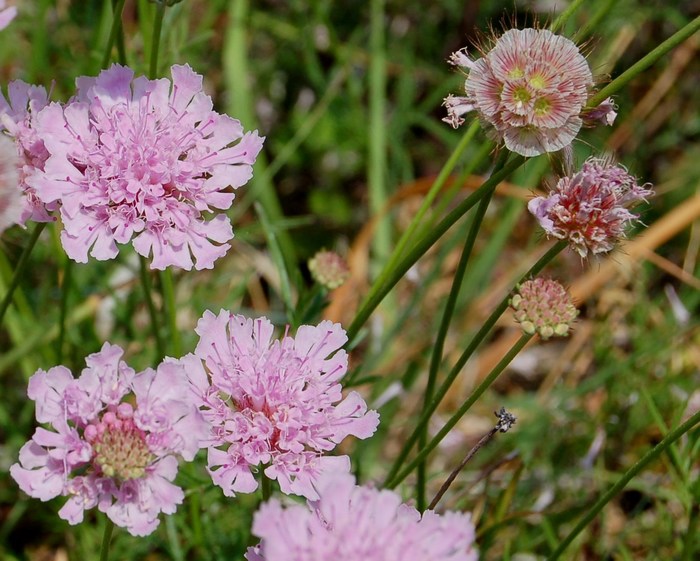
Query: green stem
(196, 518)
(381, 243)
(473, 345)
(649, 457)
(65, 293)
(450, 304)
(594, 21)
(171, 310)
(424, 243)
(266, 486)
(476, 394)
(438, 184)
(623, 79)
(106, 538)
(560, 22)
(19, 270)
(155, 39)
(691, 534)
(114, 33)
(147, 293)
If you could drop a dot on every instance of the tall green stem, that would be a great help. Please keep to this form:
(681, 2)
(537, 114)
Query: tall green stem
(450, 304)
(147, 293)
(438, 184)
(560, 22)
(449, 425)
(106, 538)
(632, 472)
(376, 171)
(623, 79)
(65, 293)
(457, 368)
(155, 40)
(425, 243)
(171, 311)
(114, 34)
(19, 270)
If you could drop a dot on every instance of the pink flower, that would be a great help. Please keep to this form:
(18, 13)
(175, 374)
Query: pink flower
(589, 208)
(529, 90)
(349, 523)
(274, 403)
(11, 201)
(6, 14)
(142, 161)
(18, 118)
(107, 449)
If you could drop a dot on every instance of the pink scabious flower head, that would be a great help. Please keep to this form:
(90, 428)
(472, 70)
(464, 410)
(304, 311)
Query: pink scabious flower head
(276, 404)
(144, 161)
(329, 269)
(589, 209)
(529, 90)
(7, 14)
(11, 202)
(543, 306)
(349, 522)
(114, 440)
(18, 117)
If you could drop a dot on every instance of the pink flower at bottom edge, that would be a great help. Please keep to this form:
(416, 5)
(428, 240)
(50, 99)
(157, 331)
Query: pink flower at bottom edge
(349, 522)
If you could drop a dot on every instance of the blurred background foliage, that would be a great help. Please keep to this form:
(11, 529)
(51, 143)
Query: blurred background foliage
(300, 71)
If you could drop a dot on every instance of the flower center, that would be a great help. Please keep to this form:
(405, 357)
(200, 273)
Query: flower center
(120, 448)
(542, 106)
(516, 73)
(537, 82)
(521, 96)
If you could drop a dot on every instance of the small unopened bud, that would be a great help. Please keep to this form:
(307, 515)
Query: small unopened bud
(543, 306)
(329, 269)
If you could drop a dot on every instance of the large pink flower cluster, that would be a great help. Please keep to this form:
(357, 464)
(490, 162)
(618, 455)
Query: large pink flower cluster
(348, 523)
(18, 115)
(275, 404)
(589, 209)
(143, 161)
(530, 90)
(114, 442)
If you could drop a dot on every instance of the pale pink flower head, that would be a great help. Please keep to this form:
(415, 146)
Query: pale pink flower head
(114, 440)
(274, 403)
(543, 306)
(351, 523)
(7, 14)
(589, 209)
(147, 162)
(11, 201)
(18, 116)
(529, 90)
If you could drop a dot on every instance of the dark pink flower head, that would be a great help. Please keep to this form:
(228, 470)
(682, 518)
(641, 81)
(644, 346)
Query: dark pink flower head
(144, 161)
(18, 118)
(114, 442)
(529, 90)
(6, 14)
(590, 208)
(274, 403)
(349, 522)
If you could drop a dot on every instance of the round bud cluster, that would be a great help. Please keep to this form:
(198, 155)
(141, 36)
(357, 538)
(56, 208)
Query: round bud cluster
(543, 306)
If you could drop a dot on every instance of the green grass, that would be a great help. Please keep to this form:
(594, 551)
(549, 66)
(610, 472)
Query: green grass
(348, 96)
